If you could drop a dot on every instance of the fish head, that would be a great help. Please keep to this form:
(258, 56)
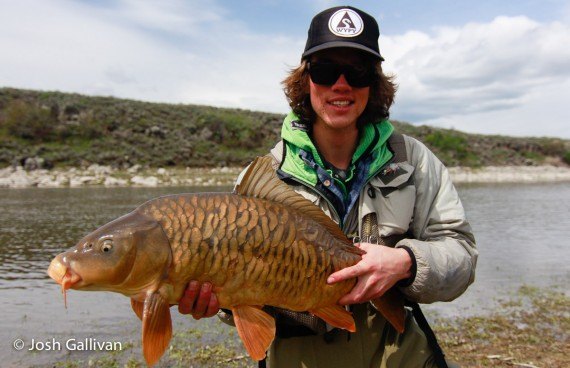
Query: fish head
(126, 255)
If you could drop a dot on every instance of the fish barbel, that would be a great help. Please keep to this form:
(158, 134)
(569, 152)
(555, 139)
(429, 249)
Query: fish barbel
(263, 244)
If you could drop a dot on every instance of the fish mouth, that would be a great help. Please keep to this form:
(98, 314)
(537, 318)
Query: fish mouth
(64, 276)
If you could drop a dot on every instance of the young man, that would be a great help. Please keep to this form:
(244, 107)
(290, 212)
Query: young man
(338, 149)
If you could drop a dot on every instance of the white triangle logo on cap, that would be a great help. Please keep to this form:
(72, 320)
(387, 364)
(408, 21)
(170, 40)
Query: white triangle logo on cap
(346, 23)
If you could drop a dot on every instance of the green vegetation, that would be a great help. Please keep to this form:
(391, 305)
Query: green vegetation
(527, 331)
(74, 130)
(452, 146)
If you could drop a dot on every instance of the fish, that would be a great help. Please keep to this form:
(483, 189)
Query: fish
(261, 245)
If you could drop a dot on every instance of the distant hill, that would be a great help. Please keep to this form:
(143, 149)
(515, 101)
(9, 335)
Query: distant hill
(63, 129)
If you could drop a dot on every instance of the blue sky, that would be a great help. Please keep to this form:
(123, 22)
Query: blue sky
(493, 67)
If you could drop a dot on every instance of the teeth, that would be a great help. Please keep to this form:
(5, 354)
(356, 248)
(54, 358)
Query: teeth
(340, 103)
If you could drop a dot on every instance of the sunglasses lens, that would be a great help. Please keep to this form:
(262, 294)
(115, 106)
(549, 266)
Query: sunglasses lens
(328, 73)
(358, 76)
(324, 73)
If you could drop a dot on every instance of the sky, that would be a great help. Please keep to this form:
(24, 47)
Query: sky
(486, 66)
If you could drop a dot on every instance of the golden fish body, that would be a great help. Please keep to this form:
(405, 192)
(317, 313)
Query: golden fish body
(254, 252)
(262, 245)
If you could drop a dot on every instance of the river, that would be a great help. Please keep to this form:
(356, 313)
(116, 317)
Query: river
(522, 233)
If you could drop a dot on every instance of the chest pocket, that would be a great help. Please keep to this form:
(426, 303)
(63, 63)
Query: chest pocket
(392, 196)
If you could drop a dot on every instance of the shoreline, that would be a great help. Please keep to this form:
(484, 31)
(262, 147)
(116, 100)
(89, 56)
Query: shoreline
(106, 176)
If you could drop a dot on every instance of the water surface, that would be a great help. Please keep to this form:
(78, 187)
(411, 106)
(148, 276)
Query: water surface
(522, 234)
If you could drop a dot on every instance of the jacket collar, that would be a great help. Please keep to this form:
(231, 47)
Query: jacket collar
(295, 134)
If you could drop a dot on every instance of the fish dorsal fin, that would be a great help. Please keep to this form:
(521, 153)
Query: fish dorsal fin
(261, 181)
(256, 329)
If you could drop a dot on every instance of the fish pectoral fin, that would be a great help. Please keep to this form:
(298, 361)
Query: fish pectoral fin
(391, 306)
(336, 316)
(156, 327)
(138, 308)
(256, 329)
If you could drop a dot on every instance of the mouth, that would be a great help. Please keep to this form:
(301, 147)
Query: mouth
(341, 103)
(64, 276)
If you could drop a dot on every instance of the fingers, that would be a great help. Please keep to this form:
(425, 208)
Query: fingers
(203, 301)
(199, 300)
(358, 269)
(186, 303)
(346, 273)
(213, 306)
(364, 290)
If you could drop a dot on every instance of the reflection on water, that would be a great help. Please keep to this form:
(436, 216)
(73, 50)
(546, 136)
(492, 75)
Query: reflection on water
(522, 234)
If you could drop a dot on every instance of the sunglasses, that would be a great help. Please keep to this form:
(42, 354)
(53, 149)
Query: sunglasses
(327, 74)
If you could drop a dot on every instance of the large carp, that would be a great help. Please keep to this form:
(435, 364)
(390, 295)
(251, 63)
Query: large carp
(263, 244)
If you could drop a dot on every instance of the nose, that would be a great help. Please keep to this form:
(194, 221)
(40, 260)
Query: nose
(341, 84)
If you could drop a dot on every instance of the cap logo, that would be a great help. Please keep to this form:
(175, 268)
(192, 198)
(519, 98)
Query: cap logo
(346, 23)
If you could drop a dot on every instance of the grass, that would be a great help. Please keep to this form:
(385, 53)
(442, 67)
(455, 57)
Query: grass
(530, 330)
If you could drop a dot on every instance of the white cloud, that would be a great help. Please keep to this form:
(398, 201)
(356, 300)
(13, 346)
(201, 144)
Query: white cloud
(484, 70)
(479, 77)
(183, 53)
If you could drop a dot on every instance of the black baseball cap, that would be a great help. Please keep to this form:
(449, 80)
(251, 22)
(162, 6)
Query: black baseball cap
(343, 26)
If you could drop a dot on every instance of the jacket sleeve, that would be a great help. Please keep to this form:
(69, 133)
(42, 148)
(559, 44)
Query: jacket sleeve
(443, 244)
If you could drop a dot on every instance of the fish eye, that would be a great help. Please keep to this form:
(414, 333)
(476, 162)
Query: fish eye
(89, 245)
(107, 246)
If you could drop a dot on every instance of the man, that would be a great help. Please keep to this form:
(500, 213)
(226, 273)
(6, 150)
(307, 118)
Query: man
(385, 190)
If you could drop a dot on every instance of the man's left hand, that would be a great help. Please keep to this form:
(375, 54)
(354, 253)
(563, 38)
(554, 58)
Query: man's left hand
(378, 270)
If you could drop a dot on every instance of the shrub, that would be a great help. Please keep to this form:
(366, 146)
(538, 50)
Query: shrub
(453, 146)
(29, 122)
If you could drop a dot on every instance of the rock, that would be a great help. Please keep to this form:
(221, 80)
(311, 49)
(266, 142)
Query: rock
(34, 163)
(18, 179)
(49, 181)
(134, 169)
(100, 170)
(155, 131)
(82, 180)
(149, 181)
(161, 171)
(115, 182)
(7, 171)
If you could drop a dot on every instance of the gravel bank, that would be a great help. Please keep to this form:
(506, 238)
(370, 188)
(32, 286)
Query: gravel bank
(96, 175)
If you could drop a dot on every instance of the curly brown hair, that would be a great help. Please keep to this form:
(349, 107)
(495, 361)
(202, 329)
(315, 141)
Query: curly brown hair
(382, 94)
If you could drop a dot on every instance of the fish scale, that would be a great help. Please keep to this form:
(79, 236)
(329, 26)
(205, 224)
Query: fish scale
(263, 231)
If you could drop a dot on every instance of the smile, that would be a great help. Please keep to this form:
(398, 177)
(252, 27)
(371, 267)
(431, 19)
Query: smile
(340, 103)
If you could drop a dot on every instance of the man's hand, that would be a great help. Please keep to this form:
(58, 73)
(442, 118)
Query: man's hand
(378, 270)
(199, 300)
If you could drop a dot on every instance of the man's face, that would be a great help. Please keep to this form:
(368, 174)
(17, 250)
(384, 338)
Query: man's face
(338, 105)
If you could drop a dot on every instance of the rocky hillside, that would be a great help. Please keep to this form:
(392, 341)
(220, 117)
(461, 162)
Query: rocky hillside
(47, 129)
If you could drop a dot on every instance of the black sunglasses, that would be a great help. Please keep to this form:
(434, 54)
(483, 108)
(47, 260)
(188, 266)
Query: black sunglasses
(327, 74)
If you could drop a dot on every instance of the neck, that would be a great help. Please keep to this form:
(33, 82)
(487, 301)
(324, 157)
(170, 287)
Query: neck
(337, 147)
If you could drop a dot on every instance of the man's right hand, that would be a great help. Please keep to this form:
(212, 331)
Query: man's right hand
(199, 300)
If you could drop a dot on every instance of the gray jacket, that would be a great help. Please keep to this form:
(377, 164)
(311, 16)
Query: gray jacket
(422, 201)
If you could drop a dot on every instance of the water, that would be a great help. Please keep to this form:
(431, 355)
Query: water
(522, 234)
